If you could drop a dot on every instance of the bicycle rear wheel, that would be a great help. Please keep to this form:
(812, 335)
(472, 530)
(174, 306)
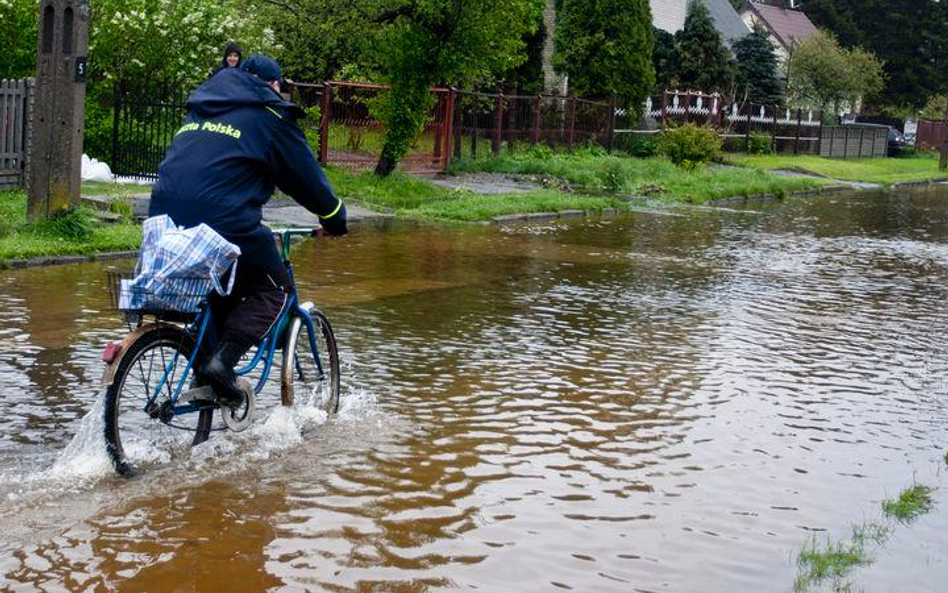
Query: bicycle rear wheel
(311, 375)
(136, 435)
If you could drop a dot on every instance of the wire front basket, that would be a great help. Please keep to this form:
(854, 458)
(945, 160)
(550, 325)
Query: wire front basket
(157, 296)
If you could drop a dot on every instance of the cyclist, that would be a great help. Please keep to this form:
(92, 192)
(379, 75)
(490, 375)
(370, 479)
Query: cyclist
(240, 139)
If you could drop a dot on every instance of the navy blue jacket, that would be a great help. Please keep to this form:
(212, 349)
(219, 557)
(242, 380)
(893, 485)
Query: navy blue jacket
(239, 141)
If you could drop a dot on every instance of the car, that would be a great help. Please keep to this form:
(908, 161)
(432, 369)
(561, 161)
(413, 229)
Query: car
(896, 142)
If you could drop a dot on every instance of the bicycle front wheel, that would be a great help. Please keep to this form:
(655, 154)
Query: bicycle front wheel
(144, 429)
(310, 374)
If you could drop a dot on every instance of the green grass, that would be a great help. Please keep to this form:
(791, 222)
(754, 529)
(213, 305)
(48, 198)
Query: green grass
(654, 177)
(78, 232)
(912, 503)
(415, 197)
(834, 560)
(103, 188)
(885, 171)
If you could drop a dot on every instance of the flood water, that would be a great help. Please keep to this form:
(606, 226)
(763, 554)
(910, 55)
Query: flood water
(660, 401)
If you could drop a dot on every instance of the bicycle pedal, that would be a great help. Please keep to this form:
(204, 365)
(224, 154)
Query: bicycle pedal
(198, 394)
(238, 418)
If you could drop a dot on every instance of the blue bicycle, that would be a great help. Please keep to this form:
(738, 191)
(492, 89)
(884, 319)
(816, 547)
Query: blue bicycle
(155, 409)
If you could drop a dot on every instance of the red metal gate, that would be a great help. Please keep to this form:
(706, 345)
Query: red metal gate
(350, 137)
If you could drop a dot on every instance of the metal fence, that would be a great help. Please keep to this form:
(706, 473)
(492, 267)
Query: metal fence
(143, 126)
(13, 125)
(854, 141)
(931, 134)
(351, 137)
(487, 122)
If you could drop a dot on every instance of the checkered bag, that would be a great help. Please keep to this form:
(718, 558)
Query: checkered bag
(178, 267)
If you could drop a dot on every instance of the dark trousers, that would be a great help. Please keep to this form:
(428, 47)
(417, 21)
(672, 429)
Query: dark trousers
(245, 316)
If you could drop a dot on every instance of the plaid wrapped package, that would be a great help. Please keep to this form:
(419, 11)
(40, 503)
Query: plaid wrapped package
(178, 267)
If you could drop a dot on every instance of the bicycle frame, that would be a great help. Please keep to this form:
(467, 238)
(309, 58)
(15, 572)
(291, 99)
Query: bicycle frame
(266, 349)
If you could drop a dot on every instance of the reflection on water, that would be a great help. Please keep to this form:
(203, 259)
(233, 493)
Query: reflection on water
(641, 403)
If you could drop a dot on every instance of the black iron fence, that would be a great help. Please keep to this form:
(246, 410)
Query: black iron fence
(143, 126)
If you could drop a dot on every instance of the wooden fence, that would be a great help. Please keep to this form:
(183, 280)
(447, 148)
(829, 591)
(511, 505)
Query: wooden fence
(13, 120)
(931, 134)
(855, 141)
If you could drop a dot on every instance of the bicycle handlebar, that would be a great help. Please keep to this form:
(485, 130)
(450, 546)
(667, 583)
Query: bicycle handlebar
(286, 232)
(284, 237)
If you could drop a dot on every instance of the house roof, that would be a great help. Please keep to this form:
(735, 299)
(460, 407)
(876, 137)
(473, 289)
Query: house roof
(789, 26)
(669, 15)
(728, 22)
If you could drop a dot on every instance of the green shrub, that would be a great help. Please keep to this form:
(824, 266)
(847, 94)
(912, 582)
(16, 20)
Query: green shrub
(75, 224)
(689, 146)
(311, 127)
(644, 146)
(591, 148)
(97, 136)
(122, 206)
(760, 144)
(611, 175)
(532, 151)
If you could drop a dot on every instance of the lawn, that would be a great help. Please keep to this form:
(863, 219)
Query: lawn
(104, 188)
(885, 171)
(76, 233)
(414, 197)
(595, 172)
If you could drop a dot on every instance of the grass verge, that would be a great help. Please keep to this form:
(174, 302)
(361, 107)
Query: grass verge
(105, 188)
(655, 177)
(884, 171)
(415, 197)
(75, 233)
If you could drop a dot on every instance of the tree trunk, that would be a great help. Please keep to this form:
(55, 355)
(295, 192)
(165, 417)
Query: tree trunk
(385, 165)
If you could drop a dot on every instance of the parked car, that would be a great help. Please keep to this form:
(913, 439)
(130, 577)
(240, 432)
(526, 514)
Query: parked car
(896, 142)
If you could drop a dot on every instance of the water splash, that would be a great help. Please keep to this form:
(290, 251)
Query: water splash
(84, 460)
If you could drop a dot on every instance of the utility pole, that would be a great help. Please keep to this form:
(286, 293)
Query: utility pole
(55, 150)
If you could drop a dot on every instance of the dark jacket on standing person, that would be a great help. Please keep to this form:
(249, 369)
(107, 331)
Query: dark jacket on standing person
(239, 141)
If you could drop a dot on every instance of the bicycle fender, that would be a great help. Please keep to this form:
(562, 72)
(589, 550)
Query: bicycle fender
(109, 374)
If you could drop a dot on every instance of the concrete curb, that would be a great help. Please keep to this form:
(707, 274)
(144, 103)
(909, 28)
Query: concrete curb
(54, 260)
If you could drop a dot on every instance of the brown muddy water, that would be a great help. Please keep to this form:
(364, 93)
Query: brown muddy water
(663, 401)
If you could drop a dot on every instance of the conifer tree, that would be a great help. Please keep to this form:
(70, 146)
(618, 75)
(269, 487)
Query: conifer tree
(606, 46)
(704, 64)
(757, 70)
(665, 61)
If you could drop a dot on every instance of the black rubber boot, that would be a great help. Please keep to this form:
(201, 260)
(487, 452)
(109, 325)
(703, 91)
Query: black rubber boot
(218, 372)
